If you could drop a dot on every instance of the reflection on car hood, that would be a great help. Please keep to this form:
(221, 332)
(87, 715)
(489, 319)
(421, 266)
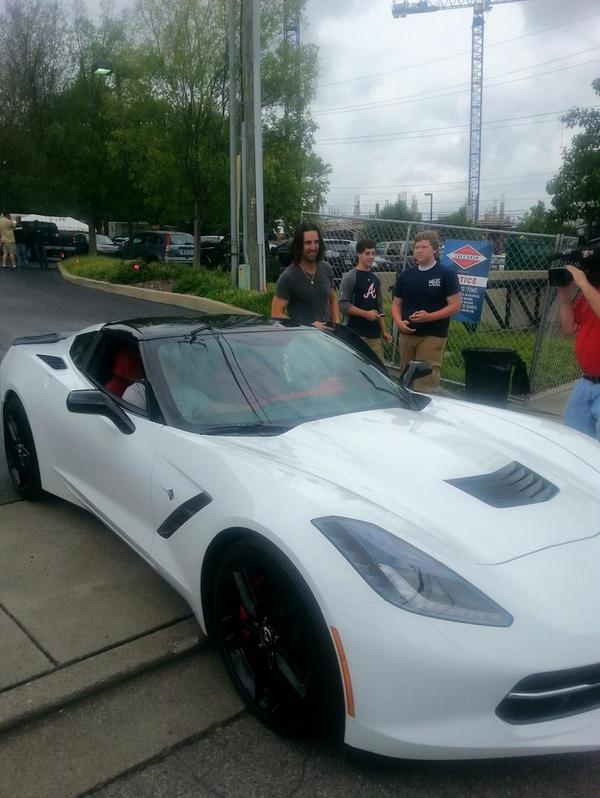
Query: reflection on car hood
(401, 460)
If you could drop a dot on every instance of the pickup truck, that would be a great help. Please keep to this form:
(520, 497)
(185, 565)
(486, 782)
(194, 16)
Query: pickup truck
(57, 245)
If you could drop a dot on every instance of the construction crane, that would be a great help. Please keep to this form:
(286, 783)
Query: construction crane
(479, 8)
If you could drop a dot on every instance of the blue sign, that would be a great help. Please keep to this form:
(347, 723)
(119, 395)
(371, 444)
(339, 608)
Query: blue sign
(471, 262)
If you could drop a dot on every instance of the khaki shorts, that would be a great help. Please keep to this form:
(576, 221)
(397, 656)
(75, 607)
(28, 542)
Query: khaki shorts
(423, 347)
(10, 248)
(376, 345)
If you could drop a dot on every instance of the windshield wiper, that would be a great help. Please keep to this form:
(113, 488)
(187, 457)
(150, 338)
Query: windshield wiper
(378, 387)
(196, 331)
(245, 429)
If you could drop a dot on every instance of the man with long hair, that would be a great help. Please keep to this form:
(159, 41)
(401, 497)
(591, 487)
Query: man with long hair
(304, 291)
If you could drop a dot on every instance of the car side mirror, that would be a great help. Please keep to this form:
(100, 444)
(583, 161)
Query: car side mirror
(96, 403)
(414, 370)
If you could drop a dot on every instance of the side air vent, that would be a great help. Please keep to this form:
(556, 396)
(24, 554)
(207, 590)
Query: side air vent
(182, 514)
(53, 361)
(511, 486)
(548, 696)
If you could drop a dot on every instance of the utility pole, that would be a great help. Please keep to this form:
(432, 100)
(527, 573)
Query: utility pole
(233, 143)
(253, 200)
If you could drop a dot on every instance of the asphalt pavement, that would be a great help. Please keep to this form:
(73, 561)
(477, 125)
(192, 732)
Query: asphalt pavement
(107, 685)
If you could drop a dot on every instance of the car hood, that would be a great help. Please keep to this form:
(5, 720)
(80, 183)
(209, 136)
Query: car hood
(402, 460)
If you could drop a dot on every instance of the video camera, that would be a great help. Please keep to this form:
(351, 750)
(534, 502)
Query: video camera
(586, 256)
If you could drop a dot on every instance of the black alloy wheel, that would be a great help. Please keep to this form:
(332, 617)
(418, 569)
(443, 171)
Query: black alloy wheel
(275, 643)
(21, 456)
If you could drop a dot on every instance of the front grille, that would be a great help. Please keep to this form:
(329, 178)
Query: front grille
(512, 486)
(548, 696)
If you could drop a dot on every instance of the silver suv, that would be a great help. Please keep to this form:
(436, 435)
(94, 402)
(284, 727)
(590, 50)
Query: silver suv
(166, 246)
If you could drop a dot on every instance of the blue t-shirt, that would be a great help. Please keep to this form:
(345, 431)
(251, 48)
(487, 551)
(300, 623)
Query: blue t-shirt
(427, 290)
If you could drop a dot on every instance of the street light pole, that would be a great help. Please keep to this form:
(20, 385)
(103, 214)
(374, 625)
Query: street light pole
(430, 195)
(99, 69)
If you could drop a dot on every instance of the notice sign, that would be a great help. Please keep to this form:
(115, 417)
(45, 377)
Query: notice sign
(471, 261)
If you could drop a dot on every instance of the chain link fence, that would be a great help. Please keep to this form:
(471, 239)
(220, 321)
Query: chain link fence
(520, 311)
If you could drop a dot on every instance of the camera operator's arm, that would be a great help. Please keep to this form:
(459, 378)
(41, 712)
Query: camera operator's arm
(587, 289)
(565, 310)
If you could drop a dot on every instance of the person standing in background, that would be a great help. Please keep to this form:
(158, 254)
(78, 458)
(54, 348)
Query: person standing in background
(361, 301)
(581, 319)
(7, 237)
(425, 298)
(304, 291)
(20, 243)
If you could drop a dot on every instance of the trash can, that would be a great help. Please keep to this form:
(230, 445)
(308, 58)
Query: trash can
(487, 374)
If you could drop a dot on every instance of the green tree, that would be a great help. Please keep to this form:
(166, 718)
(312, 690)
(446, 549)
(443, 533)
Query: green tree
(539, 219)
(185, 45)
(399, 210)
(34, 66)
(295, 178)
(459, 218)
(575, 189)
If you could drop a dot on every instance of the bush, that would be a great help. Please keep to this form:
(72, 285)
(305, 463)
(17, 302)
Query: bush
(212, 284)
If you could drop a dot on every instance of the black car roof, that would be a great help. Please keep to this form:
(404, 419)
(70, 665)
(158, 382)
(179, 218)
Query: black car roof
(178, 326)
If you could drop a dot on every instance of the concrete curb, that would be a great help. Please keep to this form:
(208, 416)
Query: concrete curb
(70, 683)
(211, 306)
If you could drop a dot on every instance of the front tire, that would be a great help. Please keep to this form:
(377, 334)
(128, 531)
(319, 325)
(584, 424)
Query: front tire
(21, 456)
(275, 643)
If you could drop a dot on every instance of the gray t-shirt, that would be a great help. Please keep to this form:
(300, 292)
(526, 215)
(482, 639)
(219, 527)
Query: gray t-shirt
(308, 299)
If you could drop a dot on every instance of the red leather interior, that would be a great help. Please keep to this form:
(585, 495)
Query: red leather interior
(127, 368)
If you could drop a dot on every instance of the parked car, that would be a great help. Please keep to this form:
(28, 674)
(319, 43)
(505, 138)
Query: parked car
(215, 251)
(341, 256)
(340, 253)
(165, 246)
(56, 243)
(104, 245)
(120, 240)
(446, 608)
(396, 252)
(281, 253)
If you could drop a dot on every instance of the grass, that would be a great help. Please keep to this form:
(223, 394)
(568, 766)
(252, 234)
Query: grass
(213, 284)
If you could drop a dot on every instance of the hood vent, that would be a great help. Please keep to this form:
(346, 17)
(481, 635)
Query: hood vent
(514, 485)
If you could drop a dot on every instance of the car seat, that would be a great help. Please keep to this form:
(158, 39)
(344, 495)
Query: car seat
(127, 368)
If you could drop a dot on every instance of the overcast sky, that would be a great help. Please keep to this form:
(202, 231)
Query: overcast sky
(414, 74)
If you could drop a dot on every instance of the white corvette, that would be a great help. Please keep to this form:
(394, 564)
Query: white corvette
(421, 576)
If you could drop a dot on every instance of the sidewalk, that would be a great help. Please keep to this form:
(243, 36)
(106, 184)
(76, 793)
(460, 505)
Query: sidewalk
(79, 611)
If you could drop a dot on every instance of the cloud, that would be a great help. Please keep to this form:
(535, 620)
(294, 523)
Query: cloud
(415, 76)
(537, 12)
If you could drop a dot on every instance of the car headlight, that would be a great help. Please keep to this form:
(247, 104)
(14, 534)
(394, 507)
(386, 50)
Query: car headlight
(408, 578)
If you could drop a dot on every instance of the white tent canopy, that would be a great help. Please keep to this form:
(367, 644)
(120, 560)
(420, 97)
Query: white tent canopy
(67, 223)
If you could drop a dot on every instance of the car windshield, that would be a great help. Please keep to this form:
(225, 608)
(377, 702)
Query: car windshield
(104, 240)
(256, 380)
(181, 238)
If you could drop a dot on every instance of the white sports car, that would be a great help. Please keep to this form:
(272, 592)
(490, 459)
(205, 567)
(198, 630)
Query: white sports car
(421, 576)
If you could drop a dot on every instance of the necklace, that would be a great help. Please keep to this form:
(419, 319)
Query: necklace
(309, 276)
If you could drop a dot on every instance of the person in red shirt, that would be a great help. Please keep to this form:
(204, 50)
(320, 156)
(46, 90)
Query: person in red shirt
(582, 319)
